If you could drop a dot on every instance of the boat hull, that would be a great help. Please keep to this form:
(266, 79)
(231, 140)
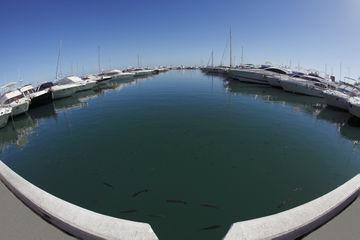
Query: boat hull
(249, 77)
(336, 101)
(303, 89)
(354, 109)
(63, 93)
(274, 82)
(42, 99)
(19, 107)
(4, 118)
(86, 86)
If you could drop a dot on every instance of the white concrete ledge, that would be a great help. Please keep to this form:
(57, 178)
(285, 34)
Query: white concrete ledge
(298, 221)
(77, 221)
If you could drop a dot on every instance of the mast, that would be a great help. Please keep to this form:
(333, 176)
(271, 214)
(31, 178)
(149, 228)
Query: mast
(138, 61)
(230, 49)
(242, 55)
(58, 62)
(99, 66)
(212, 58)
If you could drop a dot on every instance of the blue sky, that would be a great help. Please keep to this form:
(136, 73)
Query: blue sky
(312, 33)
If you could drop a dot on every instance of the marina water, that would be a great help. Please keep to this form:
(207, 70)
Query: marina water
(186, 152)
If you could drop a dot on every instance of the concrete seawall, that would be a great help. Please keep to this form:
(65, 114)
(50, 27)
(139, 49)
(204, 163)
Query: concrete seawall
(298, 221)
(77, 221)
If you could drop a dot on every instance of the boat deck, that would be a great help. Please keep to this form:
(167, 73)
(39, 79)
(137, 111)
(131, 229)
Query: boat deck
(17, 221)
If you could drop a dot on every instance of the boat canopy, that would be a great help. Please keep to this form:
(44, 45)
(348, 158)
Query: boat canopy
(70, 79)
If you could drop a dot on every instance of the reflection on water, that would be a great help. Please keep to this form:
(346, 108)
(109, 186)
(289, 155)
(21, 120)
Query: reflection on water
(18, 131)
(347, 125)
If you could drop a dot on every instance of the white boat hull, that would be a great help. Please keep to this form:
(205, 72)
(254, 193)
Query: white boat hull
(336, 101)
(274, 82)
(63, 92)
(19, 107)
(249, 76)
(354, 109)
(86, 86)
(4, 117)
(304, 89)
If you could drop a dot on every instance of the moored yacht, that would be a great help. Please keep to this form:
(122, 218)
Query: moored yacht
(309, 85)
(339, 98)
(260, 75)
(83, 85)
(5, 113)
(38, 96)
(64, 90)
(15, 100)
(116, 74)
(354, 106)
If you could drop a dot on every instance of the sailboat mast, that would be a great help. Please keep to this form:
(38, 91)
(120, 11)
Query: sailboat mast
(230, 48)
(242, 55)
(58, 61)
(99, 65)
(212, 58)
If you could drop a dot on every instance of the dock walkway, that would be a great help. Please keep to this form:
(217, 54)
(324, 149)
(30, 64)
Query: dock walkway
(345, 226)
(17, 221)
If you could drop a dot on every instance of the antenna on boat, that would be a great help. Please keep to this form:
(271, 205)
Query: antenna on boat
(99, 59)
(58, 64)
(230, 48)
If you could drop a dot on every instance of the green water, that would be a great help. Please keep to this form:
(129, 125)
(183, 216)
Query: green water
(227, 151)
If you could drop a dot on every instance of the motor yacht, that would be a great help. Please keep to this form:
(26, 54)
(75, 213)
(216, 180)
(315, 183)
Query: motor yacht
(339, 98)
(38, 96)
(64, 90)
(83, 85)
(15, 100)
(310, 85)
(260, 75)
(5, 113)
(354, 106)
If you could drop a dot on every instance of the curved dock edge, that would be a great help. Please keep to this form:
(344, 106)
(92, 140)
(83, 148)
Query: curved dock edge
(76, 221)
(298, 221)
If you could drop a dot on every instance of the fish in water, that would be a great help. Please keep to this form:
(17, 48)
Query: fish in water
(139, 192)
(108, 185)
(210, 205)
(157, 215)
(176, 201)
(211, 227)
(129, 211)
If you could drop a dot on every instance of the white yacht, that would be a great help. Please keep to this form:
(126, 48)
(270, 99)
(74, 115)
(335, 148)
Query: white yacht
(258, 75)
(339, 98)
(309, 85)
(5, 113)
(142, 72)
(15, 100)
(354, 106)
(64, 90)
(116, 74)
(83, 85)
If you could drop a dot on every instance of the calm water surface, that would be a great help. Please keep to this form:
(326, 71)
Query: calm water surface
(220, 150)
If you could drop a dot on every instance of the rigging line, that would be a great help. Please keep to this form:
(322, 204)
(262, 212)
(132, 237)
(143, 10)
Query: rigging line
(223, 55)
(209, 60)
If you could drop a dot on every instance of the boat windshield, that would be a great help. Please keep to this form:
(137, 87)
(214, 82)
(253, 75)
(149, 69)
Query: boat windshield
(276, 70)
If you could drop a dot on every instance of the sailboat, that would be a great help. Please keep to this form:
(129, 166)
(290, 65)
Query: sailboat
(60, 90)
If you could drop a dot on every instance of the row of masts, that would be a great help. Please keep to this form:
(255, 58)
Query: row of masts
(231, 60)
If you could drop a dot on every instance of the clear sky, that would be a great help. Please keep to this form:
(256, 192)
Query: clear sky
(312, 33)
